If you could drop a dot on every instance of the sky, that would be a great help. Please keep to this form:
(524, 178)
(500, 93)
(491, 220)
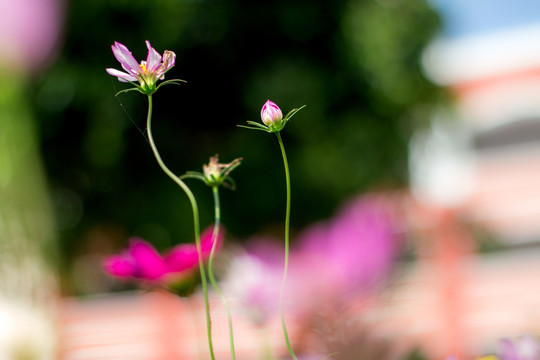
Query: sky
(472, 17)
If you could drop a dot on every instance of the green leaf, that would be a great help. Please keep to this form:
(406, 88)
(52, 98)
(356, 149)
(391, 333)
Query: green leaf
(254, 128)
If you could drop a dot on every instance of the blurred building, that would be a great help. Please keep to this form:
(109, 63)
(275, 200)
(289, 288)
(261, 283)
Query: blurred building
(481, 155)
(480, 161)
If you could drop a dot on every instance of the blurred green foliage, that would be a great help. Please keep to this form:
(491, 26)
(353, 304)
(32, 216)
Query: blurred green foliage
(355, 63)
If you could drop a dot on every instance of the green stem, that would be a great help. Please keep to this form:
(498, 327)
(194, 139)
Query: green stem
(286, 265)
(215, 234)
(195, 222)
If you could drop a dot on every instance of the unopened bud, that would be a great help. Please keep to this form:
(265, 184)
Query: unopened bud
(271, 114)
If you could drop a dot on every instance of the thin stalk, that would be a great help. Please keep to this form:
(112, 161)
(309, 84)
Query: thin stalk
(286, 265)
(215, 234)
(197, 230)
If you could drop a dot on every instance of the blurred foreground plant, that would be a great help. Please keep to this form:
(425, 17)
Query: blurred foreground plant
(30, 30)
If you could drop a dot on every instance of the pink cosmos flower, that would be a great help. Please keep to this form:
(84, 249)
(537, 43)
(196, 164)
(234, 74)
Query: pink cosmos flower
(141, 261)
(271, 114)
(147, 72)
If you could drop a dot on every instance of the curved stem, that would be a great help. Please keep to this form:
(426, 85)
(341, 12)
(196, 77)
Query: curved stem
(286, 265)
(197, 230)
(215, 234)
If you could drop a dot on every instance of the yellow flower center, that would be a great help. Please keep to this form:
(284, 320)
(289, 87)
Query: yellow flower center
(143, 68)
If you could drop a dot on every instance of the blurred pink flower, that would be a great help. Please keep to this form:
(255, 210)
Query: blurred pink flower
(349, 254)
(29, 32)
(356, 248)
(254, 278)
(522, 348)
(147, 72)
(142, 261)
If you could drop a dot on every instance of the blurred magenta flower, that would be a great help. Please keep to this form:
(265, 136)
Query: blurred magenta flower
(147, 72)
(184, 256)
(141, 261)
(521, 348)
(271, 114)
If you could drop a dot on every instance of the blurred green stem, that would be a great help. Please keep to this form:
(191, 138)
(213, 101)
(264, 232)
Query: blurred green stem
(286, 264)
(197, 230)
(215, 235)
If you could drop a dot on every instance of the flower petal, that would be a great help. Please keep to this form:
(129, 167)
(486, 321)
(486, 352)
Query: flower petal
(126, 59)
(122, 76)
(150, 265)
(182, 258)
(207, 240)
(119, 266)
(153, 59)
(271, 113)
(169, 58)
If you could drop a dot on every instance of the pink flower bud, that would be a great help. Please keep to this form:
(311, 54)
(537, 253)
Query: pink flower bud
(271, 114)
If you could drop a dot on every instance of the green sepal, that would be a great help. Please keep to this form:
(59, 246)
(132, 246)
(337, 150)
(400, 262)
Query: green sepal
(194, 175)
(291, 113)
(233, 165)
(254, 128)
(172, 81)
(149, 90)
(262, 126)
(136, 88)
(228, 182)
